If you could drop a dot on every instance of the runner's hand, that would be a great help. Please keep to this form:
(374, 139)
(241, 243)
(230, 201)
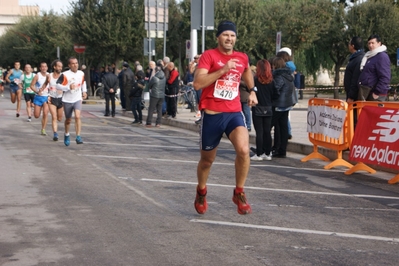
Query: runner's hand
(252, 99)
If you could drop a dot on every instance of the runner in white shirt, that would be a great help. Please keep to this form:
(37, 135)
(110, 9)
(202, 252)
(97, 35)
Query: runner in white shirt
(55, 100)
(40, 86)
(72, 82)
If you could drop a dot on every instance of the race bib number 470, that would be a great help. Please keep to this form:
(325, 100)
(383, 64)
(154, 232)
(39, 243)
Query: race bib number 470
(226, 89)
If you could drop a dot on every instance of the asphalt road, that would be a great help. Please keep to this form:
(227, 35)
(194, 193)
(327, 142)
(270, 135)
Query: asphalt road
(125, 197)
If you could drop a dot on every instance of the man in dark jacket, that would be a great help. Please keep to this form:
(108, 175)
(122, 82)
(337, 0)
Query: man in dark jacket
(156, 87)
(135, 97)
(110, 83)
(173, 88)
(128, 80)
(352, 71)
(376, 70)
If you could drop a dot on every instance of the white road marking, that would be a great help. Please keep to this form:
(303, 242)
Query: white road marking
(277, 189)
(143, 145)
(295, 230)
(138, 192)
(186, 161)
(138, 135)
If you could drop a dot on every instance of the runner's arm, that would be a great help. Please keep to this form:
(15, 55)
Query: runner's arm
(8, 76)
(33, 84)
(248, 77)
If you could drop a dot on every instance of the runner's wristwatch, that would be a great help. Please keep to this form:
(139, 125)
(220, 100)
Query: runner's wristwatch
(253, 89)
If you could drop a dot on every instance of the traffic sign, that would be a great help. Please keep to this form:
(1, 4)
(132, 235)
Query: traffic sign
(79, 48)
(188, 49)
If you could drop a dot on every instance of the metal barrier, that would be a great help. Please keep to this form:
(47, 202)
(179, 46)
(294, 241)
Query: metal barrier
(337, 144)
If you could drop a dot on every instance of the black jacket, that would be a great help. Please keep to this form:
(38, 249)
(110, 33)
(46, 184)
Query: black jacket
(137, 89)
(284, 83)
(352, 73)
(110, 80)
(128, 79)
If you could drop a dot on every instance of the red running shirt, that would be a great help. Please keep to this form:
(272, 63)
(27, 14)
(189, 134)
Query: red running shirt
(222, 95)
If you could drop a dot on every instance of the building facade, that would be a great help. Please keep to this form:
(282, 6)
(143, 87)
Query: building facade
(11, 12)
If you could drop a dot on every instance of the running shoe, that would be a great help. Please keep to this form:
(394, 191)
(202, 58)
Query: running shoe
(67, 140)
(55, 138)
(200, 204)
(2, 95)
(79, 140)
(43, 132)
(241, 201)
(17, 114)
(29, 119)
(256, 158)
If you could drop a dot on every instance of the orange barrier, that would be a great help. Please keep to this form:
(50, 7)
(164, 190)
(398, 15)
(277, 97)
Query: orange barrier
(340, 144)
(358, 107)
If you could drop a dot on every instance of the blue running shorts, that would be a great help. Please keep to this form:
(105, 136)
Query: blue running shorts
(213, 127)
(14, 88)
(40, 100)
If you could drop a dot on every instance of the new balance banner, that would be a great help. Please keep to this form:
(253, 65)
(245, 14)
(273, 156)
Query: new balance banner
(376, 139)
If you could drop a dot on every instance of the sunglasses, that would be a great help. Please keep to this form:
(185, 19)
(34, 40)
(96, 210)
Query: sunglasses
(196, 57)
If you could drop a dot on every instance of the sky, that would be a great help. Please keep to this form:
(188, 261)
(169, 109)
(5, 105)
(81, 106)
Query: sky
(47, 5)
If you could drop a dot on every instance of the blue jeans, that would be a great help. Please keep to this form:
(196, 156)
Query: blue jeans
(247, 114)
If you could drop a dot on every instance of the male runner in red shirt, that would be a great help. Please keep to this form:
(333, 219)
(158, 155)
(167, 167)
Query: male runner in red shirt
(218, 75)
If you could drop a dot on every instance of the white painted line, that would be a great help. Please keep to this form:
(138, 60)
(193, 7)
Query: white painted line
(295, 230)
(143, 145)
(185, 161)
(363, 209)
(130, 187)
(277, 189)
(138, 135)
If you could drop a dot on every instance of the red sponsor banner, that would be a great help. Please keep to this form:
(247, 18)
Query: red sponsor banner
(376, 139)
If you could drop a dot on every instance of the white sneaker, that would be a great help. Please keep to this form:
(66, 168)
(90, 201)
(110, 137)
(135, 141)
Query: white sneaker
(266, 157)
(256, 158)
(29, 119)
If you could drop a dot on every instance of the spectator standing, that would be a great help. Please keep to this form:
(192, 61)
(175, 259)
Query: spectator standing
(284, 83)
(172, 89)
(110, 84)
(193, 66)
(375, 70)
(156, 87)
(352, 71)
(135, 96)
(128, 80)
(94, 80)
(262, 113)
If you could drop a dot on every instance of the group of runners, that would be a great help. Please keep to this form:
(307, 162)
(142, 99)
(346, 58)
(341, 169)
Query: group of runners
(56, 92)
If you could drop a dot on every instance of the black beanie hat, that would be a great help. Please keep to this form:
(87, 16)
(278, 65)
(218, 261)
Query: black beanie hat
(226, 25)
